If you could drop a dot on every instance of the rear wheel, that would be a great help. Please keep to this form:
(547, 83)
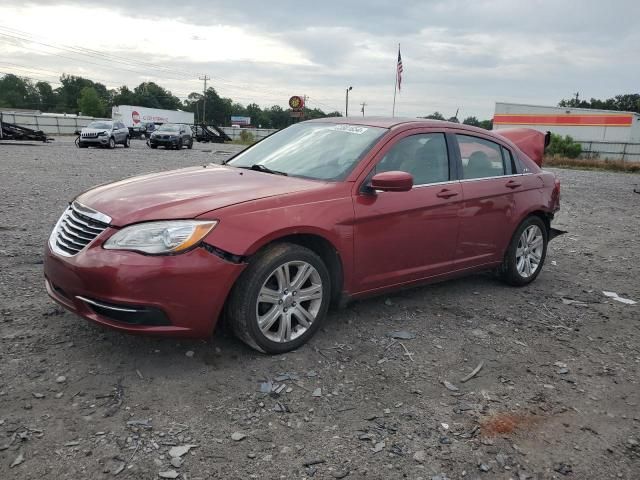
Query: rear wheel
(281, 299)
(127, 142)
(526, 253)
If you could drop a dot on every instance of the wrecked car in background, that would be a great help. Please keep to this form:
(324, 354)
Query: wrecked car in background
(319, 213)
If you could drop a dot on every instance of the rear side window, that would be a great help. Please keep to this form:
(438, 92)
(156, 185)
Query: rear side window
(480, 158)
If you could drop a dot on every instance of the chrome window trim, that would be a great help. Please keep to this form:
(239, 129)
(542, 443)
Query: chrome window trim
(106, 307)
(447, 182)
(493, 178)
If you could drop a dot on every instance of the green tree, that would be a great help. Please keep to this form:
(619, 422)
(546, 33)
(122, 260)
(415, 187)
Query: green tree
(435, 116)
(18, 92)
(47, 96)
(152, 95)
(68, 94)
(90, 103)
(564, 146)
(486, 124)
(473, 121)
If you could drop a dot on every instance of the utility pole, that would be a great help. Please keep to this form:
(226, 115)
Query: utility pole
(364, 104)
(204, 98)
(304, 106)
(346, 108)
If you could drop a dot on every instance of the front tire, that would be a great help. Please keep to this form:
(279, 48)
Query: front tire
(112, 143)
(526, 253)
(190, 145)
(281, 299)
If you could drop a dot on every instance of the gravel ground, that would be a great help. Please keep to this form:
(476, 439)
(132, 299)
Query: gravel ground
(557, 396)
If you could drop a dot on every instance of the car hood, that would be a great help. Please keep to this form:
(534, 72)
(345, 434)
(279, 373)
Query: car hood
(186, 193)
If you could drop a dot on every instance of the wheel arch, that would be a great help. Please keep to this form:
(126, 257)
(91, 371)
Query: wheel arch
(322, 247)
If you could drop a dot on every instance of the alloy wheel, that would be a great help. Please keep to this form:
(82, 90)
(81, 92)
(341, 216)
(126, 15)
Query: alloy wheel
(289, 301)
(529, 251)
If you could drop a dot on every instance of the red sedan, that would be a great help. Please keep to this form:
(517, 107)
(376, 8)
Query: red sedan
(319, 213)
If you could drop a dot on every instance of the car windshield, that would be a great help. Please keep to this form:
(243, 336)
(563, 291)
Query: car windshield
(168, 128)
(322, 151)
(100, 125)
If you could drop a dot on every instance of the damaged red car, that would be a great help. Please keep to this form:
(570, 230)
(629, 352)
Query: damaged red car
(314, 215)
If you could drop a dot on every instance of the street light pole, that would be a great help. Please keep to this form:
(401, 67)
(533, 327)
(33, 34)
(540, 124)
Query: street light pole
(346, 108)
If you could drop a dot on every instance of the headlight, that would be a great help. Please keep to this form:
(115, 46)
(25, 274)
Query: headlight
(161, 237)
(102, 133)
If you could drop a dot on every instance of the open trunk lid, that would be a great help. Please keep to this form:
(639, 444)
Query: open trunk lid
(530, 141)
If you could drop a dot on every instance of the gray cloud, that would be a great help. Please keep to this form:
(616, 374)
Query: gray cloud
(455, 53)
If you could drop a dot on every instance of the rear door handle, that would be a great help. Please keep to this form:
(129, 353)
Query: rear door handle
(513, 184)
(446, 193)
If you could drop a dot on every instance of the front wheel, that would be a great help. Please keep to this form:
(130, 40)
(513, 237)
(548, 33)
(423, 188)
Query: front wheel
(190, 145)
(112, 143)
(281, 299)
(526, 253)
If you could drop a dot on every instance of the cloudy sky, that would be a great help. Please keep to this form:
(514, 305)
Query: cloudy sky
(456, 54)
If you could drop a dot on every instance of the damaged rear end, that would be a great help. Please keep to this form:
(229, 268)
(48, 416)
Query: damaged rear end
(532, 142)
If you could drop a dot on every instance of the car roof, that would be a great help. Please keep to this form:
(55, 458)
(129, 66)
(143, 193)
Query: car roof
(385, 122)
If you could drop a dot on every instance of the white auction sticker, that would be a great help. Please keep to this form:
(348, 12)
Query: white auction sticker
(349, 129)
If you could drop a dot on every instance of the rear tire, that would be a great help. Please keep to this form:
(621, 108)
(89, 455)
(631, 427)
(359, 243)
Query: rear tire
(264, 308)
(127, 142)
(526, 253)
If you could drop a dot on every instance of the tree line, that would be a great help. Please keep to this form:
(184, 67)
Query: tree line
(77, 94)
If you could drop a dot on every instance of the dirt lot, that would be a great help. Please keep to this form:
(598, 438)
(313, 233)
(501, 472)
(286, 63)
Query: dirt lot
(558, 395)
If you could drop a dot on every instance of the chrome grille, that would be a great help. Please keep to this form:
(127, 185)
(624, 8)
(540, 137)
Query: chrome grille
(77, 227)
(89, 135)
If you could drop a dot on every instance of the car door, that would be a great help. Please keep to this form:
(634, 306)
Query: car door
(119, 132)
(489, 208)
(400, 237)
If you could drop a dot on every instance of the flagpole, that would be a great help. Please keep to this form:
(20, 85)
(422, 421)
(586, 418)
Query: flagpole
(395, 87)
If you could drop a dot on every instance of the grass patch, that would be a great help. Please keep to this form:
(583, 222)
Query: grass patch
(592, 164)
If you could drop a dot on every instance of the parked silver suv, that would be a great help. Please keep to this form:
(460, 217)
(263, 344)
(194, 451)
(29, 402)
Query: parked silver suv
(104, 133)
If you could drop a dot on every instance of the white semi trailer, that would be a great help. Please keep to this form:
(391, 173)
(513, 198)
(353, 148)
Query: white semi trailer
(134, 117)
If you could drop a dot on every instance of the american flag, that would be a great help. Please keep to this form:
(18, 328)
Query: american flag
(399, 74)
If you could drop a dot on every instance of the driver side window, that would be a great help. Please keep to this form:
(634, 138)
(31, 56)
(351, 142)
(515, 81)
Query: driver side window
(424, 156)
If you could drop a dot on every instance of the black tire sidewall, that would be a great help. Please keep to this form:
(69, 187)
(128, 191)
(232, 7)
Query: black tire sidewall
(245, 296)
(510, 270)
(127, 142)
(112, 142)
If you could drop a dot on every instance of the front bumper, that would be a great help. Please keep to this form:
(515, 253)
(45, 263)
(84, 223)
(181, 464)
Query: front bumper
(164, 142)
(180, 295)
(101, 140)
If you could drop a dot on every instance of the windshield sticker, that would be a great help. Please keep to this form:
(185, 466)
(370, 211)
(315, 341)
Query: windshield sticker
(349, 129)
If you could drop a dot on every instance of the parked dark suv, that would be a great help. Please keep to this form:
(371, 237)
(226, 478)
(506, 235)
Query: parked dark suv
(172, 135)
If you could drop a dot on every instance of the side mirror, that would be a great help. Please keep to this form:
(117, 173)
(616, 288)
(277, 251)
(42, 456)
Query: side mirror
(392, 181)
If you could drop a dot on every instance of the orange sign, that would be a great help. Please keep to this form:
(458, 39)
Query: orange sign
(584, 120)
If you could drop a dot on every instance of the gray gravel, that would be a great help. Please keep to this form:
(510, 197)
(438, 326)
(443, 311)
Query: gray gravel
(557, 396)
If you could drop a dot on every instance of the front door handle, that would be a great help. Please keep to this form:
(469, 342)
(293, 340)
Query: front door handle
(446, 193)
(513, 184)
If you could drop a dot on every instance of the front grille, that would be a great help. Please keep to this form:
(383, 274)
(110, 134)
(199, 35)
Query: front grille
(76, 229)
(89, 135)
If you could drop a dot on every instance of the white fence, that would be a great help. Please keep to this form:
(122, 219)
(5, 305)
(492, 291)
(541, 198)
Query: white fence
(627, 152)
(258, 133)
(61, 125)
(51, 125)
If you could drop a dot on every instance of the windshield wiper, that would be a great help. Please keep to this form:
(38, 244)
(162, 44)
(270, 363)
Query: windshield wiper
(261, 168)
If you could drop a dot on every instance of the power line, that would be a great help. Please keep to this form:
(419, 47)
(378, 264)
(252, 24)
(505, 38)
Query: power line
(204, 98)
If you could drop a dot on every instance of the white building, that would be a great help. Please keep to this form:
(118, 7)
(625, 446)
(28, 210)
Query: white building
(607, 133)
